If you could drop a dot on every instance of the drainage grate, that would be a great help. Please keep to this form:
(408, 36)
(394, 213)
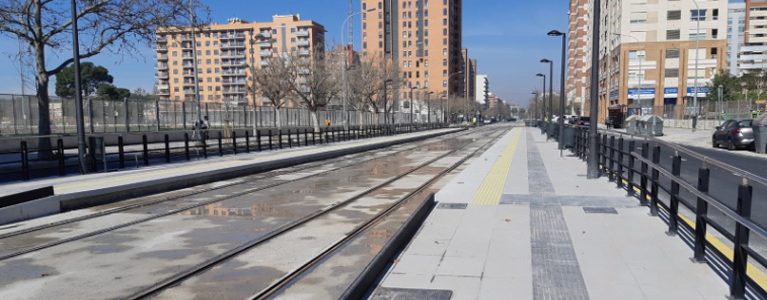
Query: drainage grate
(408, 294)
(600, 210)
(452, 205)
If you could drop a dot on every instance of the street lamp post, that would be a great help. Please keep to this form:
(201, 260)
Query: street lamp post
(345, 66)
(561, 90)
(535, 102)
(550, 106)
(697, 59)
(78, 94)
(593, 159)
(411, 105)
(543, 116)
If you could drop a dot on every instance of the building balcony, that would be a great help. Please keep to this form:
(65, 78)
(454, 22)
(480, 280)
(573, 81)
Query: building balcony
(232, 55)
(163, 87)
(232, 45)
(163, 75)
(233, 82)
(161, 49)
(233, 63)
(186, 45)
(186, 38)
(234, 73)
(302, 33)
(165, 92)
(264, 35)
(161, 66)
(302, 43)
(162, 57)
(189, 91)
(235, 91)
(232, 36)
(303, 52)
(265, 44)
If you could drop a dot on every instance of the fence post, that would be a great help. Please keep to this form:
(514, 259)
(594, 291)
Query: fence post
(24, 161)
(279, 137)
(701, 210)
(205, 148)
(306, 137)
(234, 141)
(676, 170)
(220, 144)
(146, 149)
(187, 155)
(655, 178)
(740, 256)
(62, 157)
(183, 114)
(620, 161)
(631, 163)
(611, 167)
(167, 149)
(643, 177)
(258, 140)
(270, 140)
(121, 151)
(290, 138)
(247, 141)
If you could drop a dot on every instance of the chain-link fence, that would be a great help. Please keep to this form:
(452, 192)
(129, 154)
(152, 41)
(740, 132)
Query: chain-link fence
(19, 115)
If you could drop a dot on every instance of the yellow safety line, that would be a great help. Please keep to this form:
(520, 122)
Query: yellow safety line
(759, 277)
(489, 192)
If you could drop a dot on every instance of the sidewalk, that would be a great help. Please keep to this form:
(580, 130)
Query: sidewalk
(522, 223)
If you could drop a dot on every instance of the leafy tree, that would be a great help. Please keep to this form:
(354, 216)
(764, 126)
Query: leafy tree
(45, 26)
(731, 85)
(92, 77)
(112, 92)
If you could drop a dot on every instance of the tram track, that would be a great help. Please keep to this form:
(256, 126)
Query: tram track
(271, 222)
(345, 164)
(290, 278)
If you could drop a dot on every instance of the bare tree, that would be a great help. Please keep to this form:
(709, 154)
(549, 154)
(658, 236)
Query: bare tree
(364, 86)
(274, 81)
(381, 82)
(45, 26)
(317, 82)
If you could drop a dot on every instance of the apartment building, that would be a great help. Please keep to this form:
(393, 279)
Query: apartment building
(225, 55)
(579, 58)
(753, 54)
(736, 27)
(421, 37)
(469, 75)
(483, 89)
(649, 50)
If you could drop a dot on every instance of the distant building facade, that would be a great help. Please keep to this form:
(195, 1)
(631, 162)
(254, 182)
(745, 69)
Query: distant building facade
(225, 55)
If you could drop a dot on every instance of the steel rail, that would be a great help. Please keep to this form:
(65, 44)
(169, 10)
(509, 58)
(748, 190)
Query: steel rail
(209, 263)
(205, 190)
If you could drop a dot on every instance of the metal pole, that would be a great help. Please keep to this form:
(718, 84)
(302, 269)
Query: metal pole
(551, 91)
(593, 163)
(78, 95)
(697, 58)
(562, 96)
(194, 57)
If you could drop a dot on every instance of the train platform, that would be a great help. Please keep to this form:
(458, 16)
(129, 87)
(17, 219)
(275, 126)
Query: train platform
(521, 222)
(73, 192)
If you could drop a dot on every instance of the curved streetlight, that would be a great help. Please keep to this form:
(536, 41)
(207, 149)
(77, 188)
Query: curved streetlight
(345, 66)
(543, 116)
(555, 33)
(550, 110)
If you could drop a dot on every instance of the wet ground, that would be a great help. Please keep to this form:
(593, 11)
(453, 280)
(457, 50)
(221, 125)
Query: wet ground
(157, 237)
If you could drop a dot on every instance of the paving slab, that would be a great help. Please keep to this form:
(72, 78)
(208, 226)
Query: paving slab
(553, 234)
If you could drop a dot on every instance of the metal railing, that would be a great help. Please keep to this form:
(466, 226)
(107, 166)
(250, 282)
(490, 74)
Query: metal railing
(19, 115)
(653, 170)
(122, 151)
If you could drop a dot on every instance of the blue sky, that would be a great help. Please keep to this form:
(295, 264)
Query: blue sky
(507, 37)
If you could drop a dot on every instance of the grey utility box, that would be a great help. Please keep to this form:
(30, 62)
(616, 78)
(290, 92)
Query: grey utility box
(569, 136)
(651, 125)
(760, 133)
(632, 126)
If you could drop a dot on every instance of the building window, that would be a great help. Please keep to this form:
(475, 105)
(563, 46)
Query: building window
(672, 53)
(698, 15)
(672, 34)
(672, 73)
(672, 15)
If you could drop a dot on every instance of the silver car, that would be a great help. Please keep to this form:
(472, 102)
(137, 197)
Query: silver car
(734, 134)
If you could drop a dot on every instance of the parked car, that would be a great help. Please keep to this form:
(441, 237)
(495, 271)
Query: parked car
(734, 134)
(583, 121)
